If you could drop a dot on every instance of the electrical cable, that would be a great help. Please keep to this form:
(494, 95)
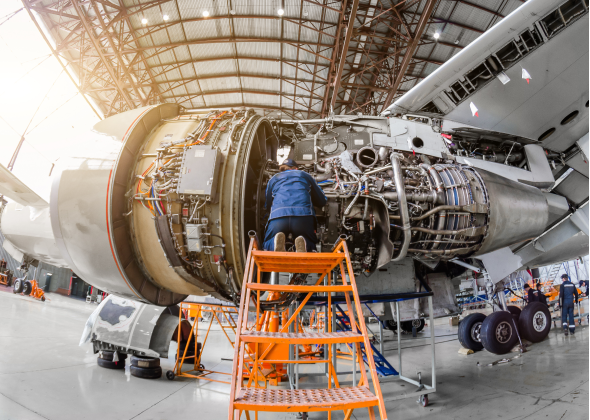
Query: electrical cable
(10, 16)
(24, 75)
(51, 113)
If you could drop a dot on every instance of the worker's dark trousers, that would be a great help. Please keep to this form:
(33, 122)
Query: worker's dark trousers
(568, 312)
(295, 225)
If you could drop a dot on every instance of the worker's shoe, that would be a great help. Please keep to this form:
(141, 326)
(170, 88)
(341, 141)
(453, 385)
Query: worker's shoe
(280, 242)
(566, 332)
(300, 245)
(572, 332)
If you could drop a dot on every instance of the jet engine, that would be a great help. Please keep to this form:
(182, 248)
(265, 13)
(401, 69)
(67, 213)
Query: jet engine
(165, 206)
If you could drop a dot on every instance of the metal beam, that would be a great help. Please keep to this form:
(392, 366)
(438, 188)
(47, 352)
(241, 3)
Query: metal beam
(348, 36)
(422, 23)
(107, 65)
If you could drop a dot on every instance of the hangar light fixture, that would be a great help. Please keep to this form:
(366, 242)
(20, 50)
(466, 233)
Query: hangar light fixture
(144, 21)
(436, 35)
(165, 17)
(205, 13)
(281, 9)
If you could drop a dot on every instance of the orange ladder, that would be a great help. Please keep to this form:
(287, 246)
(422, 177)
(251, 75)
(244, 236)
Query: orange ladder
(252, 397)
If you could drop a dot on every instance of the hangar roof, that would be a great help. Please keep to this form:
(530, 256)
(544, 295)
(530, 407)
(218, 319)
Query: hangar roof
(123, 54)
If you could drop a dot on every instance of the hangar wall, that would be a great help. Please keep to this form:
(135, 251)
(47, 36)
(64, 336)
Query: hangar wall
(60, 278)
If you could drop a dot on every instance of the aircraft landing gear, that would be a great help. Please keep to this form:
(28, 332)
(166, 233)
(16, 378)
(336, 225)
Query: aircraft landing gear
(470, 331)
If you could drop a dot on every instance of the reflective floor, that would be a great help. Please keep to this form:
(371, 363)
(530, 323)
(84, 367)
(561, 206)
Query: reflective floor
(44, 374)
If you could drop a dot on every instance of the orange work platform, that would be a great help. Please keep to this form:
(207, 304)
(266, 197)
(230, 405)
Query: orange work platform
(224, 315)
(254, 349)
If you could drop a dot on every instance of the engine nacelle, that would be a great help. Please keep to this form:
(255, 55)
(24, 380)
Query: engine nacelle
(164, 208)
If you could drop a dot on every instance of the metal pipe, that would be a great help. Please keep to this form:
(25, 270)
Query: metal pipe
(436, 210)
(445, 251)
(440, 191)
(403, 206)
(464, 264)
(429, 197)
(326, 172)
(470, 231)
(312, 121)
(399, 339)
(374, 171)
(432, 336)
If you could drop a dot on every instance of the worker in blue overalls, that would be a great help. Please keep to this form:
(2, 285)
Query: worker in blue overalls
(291, 196)
(567, 294)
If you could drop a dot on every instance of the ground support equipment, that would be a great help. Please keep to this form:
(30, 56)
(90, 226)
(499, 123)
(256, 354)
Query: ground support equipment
(252, 397)
(388, 373)
(225, 317)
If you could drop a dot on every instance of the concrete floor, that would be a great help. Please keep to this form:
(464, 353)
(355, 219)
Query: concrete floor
(44, 374)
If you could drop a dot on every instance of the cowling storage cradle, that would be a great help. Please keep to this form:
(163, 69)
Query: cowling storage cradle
(251, 396)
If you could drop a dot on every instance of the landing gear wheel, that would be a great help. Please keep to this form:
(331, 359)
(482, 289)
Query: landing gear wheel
(423, 400)
(146, 373)
(170, 375)
(498, 333)
(515, 311)
(108, 355)
(145, 362)
(109, 364)
(17, 287)
(418, 323)
(535, 322)
(470, 331)
(391, 325)
(42, 298)
(27, 288)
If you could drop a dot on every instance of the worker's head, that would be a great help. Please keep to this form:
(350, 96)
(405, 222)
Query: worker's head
(288, 165)
(564, 277)
(527, 286)
(539, 287)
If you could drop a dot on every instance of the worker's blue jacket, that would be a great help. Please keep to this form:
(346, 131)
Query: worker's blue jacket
(293, 193)
(567, 292)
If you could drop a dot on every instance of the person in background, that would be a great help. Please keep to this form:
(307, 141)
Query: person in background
(584, 287)
(540, 295)
(567, 295)
(291, 196)
(531, 294)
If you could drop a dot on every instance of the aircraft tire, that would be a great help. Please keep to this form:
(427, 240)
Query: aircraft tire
(515, 311)
(391, 325)
(407, 325)
(108, 355)
(146, 373)
(145, 362)
(498, 332)
(17, 287)
(470, 331)
(109, 364)
(27, 287)
(535, 322)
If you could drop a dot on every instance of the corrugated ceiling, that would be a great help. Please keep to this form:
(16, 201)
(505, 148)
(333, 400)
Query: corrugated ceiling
(129, 53)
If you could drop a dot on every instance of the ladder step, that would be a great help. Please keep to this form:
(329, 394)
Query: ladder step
(297, 289)
(301, 338)
(296, 400)
(297, 262)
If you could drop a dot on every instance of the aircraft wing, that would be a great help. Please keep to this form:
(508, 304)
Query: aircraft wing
(542, 41)
(15, 189)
